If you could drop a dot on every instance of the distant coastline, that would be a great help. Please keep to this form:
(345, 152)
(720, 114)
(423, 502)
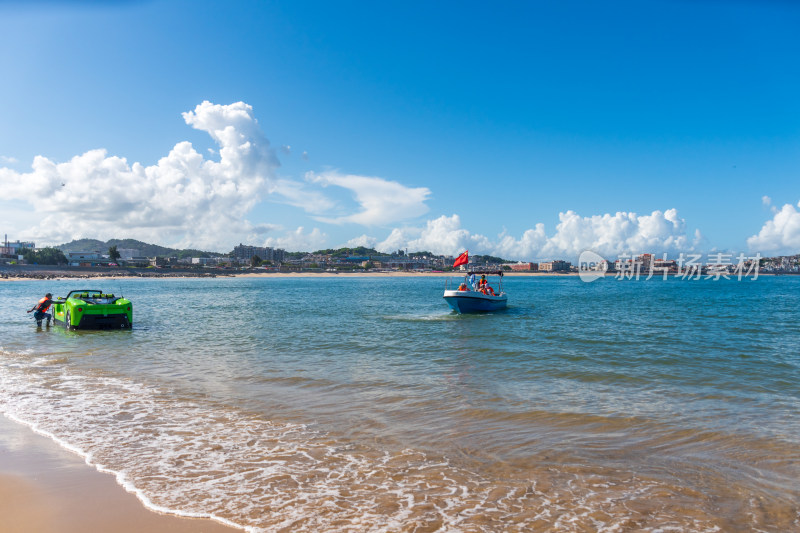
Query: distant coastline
(51, 272)
(57, 273)
(54, 273)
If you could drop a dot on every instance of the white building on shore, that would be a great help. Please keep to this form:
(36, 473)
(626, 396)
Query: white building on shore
(78, 258)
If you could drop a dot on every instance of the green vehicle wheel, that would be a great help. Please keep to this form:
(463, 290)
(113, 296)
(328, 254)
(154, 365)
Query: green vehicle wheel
(67, 323)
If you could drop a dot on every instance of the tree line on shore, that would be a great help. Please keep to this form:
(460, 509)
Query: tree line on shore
(56, 255)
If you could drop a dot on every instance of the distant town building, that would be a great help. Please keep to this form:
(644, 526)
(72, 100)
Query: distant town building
(204, 261)
(245, 253)
(555, 266)
(16, 247)
(524, 267)
(137, 261)
(404, 263)
(83, 258)
(669, 264)
(645, 260)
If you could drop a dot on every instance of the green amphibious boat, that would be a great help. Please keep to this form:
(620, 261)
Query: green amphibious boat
(92, 309)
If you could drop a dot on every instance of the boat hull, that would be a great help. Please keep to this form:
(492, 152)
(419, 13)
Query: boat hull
(474, 302)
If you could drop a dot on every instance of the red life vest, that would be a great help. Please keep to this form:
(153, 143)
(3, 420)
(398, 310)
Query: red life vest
(43, 305)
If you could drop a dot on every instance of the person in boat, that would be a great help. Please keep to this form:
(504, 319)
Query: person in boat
(41, 309)
(484, 287)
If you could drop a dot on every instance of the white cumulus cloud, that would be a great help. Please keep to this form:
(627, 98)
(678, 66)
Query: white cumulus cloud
(363, 240)
(443, 235)
(189, 200)
(529, 246)
(299, 240)
(622, 232)
(607, 234)
(381, 201)
(781, 234)
(184, 199)
(297, 194)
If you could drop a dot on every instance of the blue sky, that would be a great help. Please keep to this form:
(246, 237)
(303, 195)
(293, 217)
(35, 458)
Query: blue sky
(529, 130)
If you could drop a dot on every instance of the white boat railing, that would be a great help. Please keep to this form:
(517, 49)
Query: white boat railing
(500, 291)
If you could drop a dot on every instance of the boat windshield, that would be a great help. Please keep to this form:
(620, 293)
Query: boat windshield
(91, 293)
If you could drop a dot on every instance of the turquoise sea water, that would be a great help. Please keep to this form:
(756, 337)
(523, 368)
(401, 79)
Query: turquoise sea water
(365, 404)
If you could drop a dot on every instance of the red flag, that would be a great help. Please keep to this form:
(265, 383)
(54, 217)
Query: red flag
(462, 259)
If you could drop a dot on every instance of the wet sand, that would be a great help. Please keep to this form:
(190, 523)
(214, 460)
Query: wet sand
(46, 489)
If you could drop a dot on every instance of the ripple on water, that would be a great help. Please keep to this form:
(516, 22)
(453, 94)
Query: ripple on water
(358, 404)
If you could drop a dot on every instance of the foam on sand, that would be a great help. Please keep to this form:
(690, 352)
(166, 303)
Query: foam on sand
(190, 456)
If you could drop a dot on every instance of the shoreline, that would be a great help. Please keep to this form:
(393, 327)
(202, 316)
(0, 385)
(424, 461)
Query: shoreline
(46, 488)
(70, 276)
(56, 275)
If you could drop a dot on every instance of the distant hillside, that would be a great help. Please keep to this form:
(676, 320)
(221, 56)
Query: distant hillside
(477, 259)
(345, 252)
(361, 251)
(148, 250)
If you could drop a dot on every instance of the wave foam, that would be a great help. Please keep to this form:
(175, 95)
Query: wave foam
(193, 457)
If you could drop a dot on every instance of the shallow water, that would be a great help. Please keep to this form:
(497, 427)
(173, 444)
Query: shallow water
(365, 404)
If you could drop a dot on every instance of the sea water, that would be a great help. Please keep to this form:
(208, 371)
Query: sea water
(365, 404)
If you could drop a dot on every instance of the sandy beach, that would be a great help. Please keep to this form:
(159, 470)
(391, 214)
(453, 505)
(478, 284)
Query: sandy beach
(46, 489)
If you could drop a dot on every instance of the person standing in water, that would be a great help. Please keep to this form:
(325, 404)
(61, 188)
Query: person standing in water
(41, 309)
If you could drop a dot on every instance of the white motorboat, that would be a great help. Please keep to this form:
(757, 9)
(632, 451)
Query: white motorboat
(472, 296)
